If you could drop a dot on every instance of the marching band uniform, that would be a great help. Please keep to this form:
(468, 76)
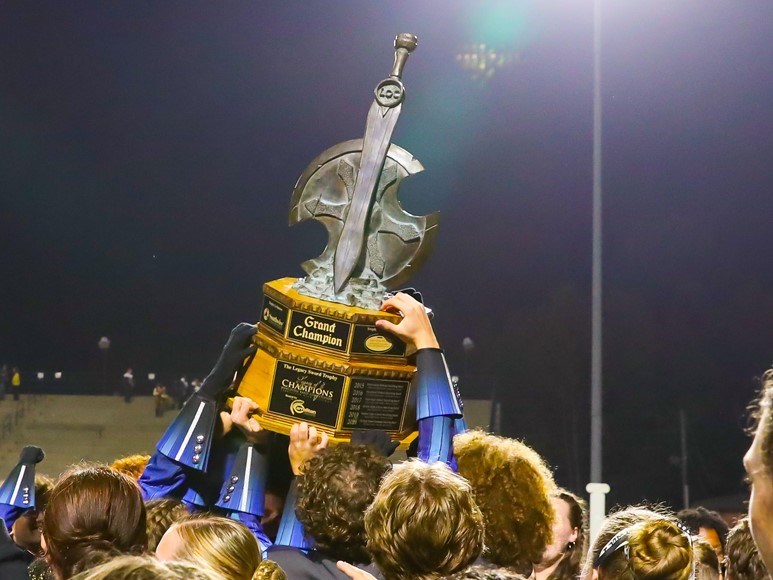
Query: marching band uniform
(17, 494)
(192, 465)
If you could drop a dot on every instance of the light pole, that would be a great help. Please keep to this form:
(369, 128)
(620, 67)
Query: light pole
(596, 488)
(104, 346)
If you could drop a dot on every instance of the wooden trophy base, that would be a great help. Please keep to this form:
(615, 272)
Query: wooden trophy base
(326, 364)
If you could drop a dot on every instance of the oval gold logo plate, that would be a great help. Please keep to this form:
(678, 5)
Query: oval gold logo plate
(378, 343)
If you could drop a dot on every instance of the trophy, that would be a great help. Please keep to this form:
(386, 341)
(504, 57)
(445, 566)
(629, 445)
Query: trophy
(320, 357)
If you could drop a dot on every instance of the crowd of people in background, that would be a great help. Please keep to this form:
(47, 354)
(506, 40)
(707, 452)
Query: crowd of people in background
(222, 498)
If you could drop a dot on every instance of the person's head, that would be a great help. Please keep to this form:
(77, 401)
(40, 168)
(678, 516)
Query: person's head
(758, 463)
(336, 487)
(131, 465)
(146, 568)
(161, 514)
(92, 513)
(707, 524)
(615, 523)
(513, 488)
(222, 545)
(423, 522)
(26, 528)
(742, 559)
(570, 531)
(656, 549)
(706, 560)
(486, 572)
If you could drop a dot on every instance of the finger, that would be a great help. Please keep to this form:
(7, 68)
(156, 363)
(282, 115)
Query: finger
(391, 304)
(303, 432)
(387, 326)
(294, 433)
(254, 426)
(323, 441)
(347, 569)
(313, 435)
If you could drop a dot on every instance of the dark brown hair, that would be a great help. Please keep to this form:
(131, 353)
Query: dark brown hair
(569, 566)
(743, 559)
(334, 491)
(93, 513)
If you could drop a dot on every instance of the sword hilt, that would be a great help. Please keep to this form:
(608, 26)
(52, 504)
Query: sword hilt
(405, 44)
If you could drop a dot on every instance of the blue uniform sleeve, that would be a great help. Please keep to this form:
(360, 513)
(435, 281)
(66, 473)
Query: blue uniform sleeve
(253, 523)
(438, 409)
(163, 478)
(290, 529)
(10, 513)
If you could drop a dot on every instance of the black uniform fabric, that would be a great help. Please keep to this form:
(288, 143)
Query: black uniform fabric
(311, 566)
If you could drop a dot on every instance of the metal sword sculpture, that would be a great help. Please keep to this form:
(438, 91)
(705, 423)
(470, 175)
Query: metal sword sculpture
(374, 245)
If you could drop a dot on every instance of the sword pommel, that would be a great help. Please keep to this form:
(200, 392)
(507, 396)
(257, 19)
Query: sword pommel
(405, 44)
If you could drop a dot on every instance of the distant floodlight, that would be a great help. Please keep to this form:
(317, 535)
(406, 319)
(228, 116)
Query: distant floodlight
(468, 344)
(104, 343)
(58, 375)
(455, 379)
(41, 376)
(480, 61)
(151, 376)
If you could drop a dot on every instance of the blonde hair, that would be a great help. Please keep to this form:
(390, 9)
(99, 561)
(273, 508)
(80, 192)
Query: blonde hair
(146, 568)
(514, 488)
(423, 522)
(131, 465)
(222, 545)
(657, 549)
(616, 522)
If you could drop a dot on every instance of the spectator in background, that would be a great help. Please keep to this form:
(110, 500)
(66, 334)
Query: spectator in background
(16, 383)
(707, 524)
(162, 399)
(3, 381)
(127, 385)
(743, 561)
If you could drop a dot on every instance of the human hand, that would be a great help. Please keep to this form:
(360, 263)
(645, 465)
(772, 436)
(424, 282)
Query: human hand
(31, 455)
(305, 443)
(238, 347)
(415, 328)
(241, 417)
(378, 439)
(354, 572)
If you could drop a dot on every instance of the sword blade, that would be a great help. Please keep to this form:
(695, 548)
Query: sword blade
(378, 134)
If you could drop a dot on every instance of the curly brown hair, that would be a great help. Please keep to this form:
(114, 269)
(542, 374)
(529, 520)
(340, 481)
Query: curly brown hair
(743, 559)
(93, 513)
(161, 514)
(336, 487)
(513, 487)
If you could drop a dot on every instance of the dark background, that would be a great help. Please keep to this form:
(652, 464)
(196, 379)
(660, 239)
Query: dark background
(149, 149)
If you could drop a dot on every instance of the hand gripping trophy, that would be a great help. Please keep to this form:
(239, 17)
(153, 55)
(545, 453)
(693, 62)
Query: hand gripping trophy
(320, 357)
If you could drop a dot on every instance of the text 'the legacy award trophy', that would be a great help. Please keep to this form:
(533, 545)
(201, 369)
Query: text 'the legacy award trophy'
(320, 358)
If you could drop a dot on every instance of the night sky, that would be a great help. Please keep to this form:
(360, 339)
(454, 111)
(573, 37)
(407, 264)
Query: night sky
(149, 151)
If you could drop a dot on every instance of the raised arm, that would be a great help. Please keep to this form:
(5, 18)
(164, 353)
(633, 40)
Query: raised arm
(437, 406)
